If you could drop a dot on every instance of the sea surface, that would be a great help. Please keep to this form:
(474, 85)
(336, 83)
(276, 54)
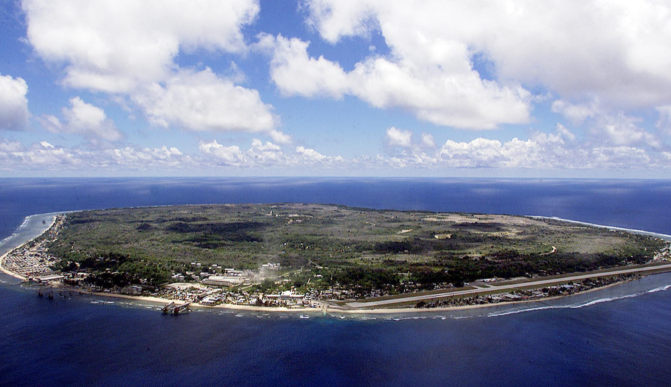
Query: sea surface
(619, 336)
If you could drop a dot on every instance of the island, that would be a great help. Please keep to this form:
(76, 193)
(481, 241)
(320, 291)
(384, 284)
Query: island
(291, 256)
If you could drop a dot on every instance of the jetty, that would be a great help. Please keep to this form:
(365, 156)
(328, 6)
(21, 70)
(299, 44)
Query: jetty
(174, 309)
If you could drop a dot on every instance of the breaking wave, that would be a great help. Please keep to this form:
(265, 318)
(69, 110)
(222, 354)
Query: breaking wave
(579, 305)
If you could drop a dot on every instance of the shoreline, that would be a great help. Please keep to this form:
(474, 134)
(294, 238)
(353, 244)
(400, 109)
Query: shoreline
(379, 311)
(612, 228)
(2, 258)
(325, 307)
(10, 273)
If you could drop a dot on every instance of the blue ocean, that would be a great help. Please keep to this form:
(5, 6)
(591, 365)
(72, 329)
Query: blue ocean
(619, 336)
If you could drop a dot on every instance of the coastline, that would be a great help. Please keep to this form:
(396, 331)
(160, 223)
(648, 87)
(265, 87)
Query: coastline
(53, 216)
(379, 311)
(612, 228)
(325, 307)
(9, 273)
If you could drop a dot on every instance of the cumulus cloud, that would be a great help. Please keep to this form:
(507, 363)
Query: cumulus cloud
(558, 151)
(615, 128)
(39, 155)
(444, 91)
(428, 141)
(264, 155)
(10, 146)
(258, 155)
(128, 48)
(279, 137)
(623, 130)
(114, 45)
(664, 121)
(575, 113)
(311, 154)
(398, 137)
(200, 101)
(624, 61)
(229, 155)
(403, 139)
(295, 73)
(542, 151)
(43, 156)
(144, 158)
(13, 103)
(83, 119)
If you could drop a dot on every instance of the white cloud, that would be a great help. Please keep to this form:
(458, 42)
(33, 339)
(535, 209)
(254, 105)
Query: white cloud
(10, 146)
(38, 156)
(403, 139)
(557, 150)
(614, 128)
(200, 101)
(128, 48)
(44, 156)
(295, 73)
(83, 119)
(311, 155)
(398, 137)
(13, 103)
(114, 45)
(542, 151)
(477, 153)
(428, 140)
(264, 155)
(616, 51)
(258, 155)
(664, 121)
(348, 18)
(144, 158)
(575, 113)
(564, 132)
(448, 92)
(623, 130)
(229, 155)
(279, 137)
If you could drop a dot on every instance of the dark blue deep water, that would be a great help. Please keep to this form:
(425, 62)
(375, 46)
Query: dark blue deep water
(619, 336)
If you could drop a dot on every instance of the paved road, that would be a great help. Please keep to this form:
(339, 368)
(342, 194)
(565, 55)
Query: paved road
(506, 287)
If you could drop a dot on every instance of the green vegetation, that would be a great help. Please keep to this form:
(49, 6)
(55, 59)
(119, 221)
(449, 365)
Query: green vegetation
(326, 245)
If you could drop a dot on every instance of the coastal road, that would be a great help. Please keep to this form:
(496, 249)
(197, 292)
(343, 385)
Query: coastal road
(371, 304)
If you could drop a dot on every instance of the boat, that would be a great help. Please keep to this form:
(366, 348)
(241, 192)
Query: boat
(304, 316)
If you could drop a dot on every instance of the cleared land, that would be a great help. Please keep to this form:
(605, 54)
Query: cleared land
(514, 286)
(335, 247)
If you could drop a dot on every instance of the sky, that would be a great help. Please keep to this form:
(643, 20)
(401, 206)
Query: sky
(390, 88)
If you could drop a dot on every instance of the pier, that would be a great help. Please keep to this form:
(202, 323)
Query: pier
(174, 309)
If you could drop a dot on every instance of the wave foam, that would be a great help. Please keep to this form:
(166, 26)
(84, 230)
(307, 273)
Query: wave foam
(579, 306)
(660, 289)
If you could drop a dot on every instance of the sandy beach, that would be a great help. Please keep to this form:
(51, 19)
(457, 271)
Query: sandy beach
(379, 311)
(10, 273)
(46, 228)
